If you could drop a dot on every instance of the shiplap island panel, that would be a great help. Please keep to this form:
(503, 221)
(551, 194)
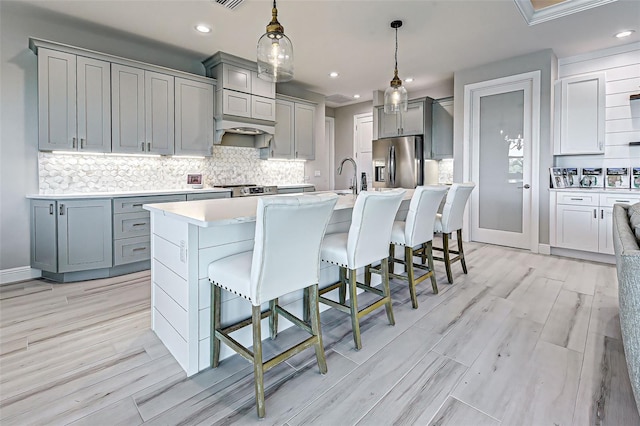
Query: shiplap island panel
(185, 238)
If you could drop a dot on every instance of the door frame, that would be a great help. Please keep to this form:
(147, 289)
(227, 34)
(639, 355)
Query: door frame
(533, 78)
(356, 117)
(330, 140)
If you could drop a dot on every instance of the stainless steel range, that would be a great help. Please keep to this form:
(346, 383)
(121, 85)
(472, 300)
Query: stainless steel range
(250, 190)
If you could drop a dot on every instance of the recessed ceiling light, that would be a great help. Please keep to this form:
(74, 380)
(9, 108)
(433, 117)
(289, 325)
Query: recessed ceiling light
(202, 28)
(333, 74)
(409, 80)
(623, 34)
(356, 96)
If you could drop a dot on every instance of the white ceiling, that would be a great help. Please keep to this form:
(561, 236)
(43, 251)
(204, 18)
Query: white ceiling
(353, 37)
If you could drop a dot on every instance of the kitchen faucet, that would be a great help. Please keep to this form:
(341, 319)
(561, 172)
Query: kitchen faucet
(354, 187)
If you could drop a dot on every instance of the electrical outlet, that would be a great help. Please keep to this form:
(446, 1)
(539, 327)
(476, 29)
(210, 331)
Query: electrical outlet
(317, 173)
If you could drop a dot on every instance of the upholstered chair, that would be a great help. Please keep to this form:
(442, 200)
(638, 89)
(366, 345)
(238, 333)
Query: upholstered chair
(366, 242)
(415, 235)
(285, 258)
(449, 221)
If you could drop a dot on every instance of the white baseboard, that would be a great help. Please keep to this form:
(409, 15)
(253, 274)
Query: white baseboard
(584, 255)
(544, 249)
(21, 273)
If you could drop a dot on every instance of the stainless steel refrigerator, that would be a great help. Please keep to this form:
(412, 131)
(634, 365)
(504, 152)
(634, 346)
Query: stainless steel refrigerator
(398, 162)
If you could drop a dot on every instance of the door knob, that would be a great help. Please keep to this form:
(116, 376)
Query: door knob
(527, 186)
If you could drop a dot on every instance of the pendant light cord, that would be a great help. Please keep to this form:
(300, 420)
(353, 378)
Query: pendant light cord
(396, 68)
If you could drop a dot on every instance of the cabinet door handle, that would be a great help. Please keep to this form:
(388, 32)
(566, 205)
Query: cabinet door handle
(148, 146)
(601, 214)
(142, 146)
(138, 224)
(623, 201)
(139, 249)
(272, 153)
(51, 209)
(577, 199)
(136, 205)
(595, 213)
(82, 143)
(73, 143)
(296, 154)
(61, 212)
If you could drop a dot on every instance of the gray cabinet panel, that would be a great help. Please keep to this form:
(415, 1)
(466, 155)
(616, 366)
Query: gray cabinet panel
(94, 105)
(56, 100)
(442, 129)
(282, 142)
(159, 113)
(84, 235)
(208, 196)
(130, 250)
(127, 104)
(128, 225)
(44, 249)
(305, 131)
(413, 119)
(194, 117)
(134, 204)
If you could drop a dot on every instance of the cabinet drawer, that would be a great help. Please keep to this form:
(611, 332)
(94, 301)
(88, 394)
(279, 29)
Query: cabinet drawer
(608, 200)
(128, 225)
(134, 204)
(578, 198)
(263, 108)
(208, 196)
(236, 103)
(129, 250)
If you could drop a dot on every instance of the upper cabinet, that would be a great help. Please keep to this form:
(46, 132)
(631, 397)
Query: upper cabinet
(90, 101)
(580, 115)
(73, 102)
(240, 92)
(411, 122)
(442, 129)
(294, 136)
(194, 113)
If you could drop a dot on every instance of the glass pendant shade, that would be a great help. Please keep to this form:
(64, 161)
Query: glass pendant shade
(396, 99)
(275, 52)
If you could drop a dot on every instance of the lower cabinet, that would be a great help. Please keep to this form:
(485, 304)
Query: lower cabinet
(584, 220)
(71, 235)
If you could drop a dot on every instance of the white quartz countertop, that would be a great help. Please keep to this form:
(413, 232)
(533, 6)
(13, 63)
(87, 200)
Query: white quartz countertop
(227, 211)
(301, 185)
(597, 190)
(81, 195)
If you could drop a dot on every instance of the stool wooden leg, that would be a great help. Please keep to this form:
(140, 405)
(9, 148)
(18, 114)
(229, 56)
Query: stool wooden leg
(392, 257)
(343, 286)
(306, 311)
(408, 260)
(216, 294)
(258, 369)
(273, 319)
(429, 250)
(424, 255)
(314, 308)
(464, 264)
(353, 302)
(447, 256)
(387, 292)
(367, 275)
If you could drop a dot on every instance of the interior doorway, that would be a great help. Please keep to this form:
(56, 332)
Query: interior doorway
(362, 146)
(501, 152)
(330, 137)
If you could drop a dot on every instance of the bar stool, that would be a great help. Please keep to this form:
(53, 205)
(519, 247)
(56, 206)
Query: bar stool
(366, 242)
(416, 230)
(285, 258)
(451, 221)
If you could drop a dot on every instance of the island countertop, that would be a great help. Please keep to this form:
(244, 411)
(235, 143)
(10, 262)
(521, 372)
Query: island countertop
(226, 211)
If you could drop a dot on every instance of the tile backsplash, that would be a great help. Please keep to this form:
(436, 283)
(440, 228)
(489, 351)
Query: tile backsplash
(61, 173)
(445, 171)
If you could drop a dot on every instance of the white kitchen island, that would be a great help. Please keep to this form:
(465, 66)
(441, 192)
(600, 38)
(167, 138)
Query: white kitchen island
(185, 238)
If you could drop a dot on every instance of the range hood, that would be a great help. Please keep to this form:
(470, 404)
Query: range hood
(234, 132)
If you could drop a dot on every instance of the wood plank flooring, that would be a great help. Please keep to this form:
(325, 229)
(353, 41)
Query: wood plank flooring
(522, 339)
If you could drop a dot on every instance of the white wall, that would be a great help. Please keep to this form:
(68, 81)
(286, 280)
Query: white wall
(622, 68)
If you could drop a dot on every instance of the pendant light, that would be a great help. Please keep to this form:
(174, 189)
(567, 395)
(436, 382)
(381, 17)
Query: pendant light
(395, 97)
(275, 52)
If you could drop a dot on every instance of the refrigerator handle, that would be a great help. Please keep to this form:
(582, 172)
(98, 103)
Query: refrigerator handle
(392, 166)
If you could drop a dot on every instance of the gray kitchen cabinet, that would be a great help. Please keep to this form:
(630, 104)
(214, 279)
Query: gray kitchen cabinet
(579, 126)
(208, 196)
(142, 111)
(296, 190)
(71, 235)
(406, 123)
(442, 129)
(193, 117)
(294, 136)
(73, 102)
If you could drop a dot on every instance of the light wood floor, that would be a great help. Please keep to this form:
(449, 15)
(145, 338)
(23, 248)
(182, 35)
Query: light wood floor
(521, 340)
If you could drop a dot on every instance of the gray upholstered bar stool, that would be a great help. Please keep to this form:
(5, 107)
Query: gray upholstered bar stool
(451, 221)
(366, 242)
(285, 258)
(415, 234)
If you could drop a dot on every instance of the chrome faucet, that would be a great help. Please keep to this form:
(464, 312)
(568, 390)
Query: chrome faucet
(354, 185)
